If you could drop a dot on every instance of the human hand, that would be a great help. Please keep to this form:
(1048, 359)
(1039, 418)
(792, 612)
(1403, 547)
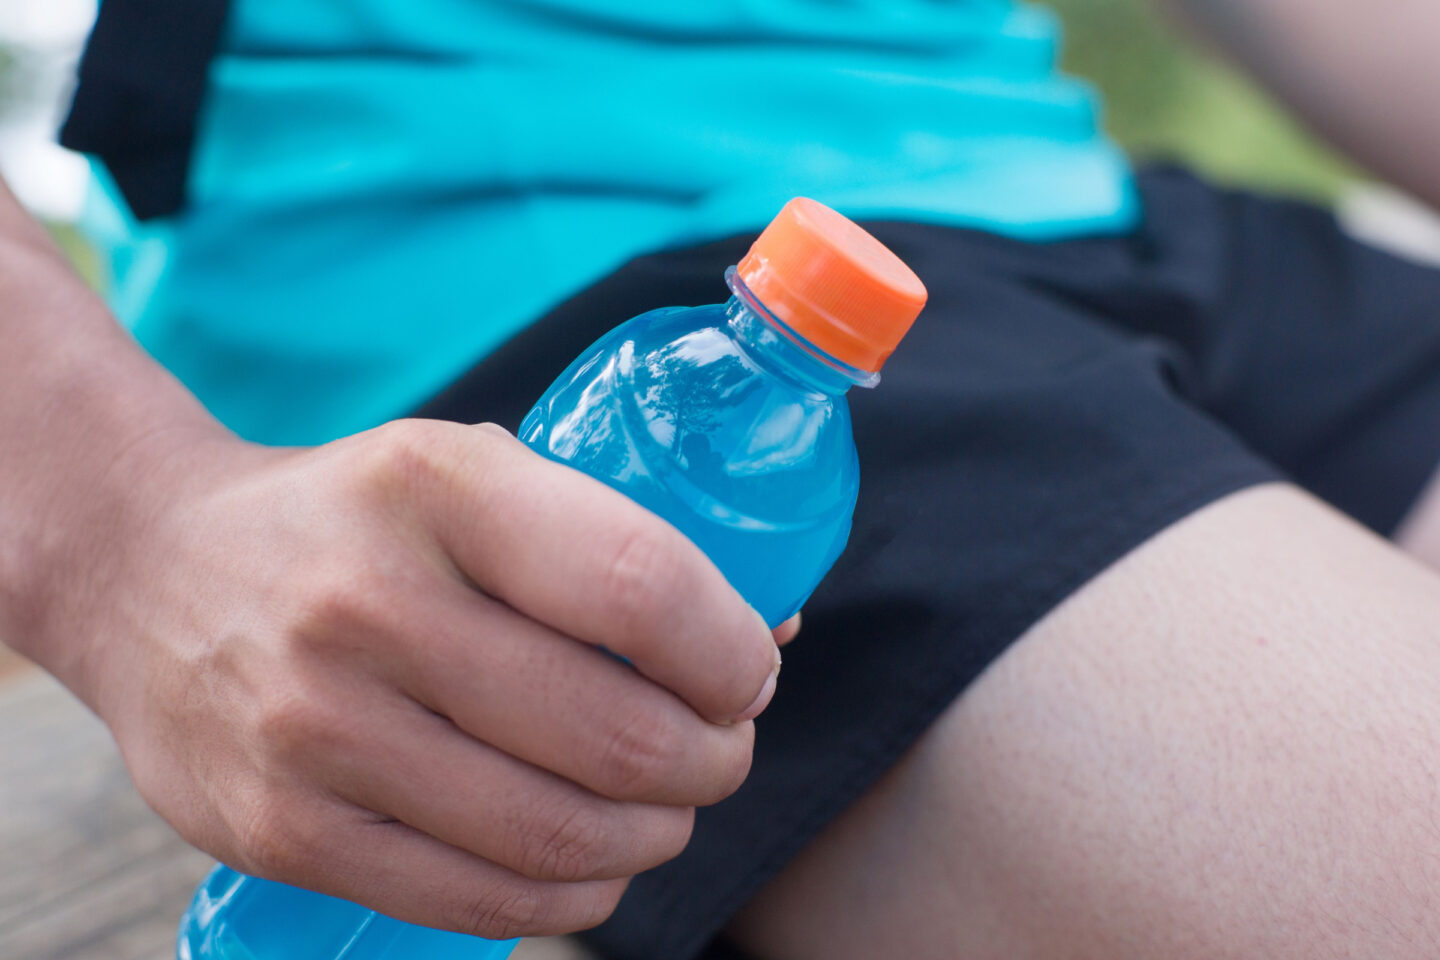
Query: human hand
(373, 669)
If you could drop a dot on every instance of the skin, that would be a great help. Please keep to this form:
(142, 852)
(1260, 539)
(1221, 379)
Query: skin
(1419, 534)
(1223, 747)
(369, 668)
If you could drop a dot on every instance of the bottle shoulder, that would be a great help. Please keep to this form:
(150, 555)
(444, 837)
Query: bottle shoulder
(670, 397)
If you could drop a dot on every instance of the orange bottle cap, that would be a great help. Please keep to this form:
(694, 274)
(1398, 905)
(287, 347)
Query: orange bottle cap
(834, 284)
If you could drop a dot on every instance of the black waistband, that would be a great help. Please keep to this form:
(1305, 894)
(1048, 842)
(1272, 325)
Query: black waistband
(142, 80)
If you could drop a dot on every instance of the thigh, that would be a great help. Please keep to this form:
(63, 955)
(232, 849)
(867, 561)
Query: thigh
(1224, 746)
(1218, 747)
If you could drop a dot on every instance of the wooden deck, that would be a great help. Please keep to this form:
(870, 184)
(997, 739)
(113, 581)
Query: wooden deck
(87, 871)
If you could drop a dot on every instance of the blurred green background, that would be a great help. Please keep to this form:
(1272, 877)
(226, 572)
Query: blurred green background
(1168, 100)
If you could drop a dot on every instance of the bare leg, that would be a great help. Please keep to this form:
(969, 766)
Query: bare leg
(1228, 745)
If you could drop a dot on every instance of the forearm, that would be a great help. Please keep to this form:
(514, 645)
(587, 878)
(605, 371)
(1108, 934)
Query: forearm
(81, 410)
(1362, 75)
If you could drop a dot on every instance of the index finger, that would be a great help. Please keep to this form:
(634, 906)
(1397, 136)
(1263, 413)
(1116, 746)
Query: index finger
(568, 551)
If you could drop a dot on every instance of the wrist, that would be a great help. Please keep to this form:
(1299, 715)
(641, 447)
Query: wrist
(93, 432)
(79, 556)
(97, 439)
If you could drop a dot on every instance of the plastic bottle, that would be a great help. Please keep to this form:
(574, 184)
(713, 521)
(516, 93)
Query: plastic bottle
(235, 917)
(731, 422)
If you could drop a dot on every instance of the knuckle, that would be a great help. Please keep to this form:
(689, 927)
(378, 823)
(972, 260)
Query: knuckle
(333, 604)
(275, 844)
(338, 609)
(566, 848)
(645, 581)
(284, 725)
(503, 913)
(640, 756)
(493, 432)
(294, 725)
(404, 454)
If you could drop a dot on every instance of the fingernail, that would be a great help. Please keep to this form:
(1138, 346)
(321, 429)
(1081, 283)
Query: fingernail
(767, 692)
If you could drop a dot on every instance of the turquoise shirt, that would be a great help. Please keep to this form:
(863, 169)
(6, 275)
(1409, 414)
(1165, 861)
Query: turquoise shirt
(385, 190)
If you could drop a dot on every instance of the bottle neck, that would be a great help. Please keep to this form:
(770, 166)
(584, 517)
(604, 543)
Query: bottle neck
(782, 351)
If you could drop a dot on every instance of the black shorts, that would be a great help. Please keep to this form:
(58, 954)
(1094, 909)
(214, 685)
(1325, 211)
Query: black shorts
(1056, 406)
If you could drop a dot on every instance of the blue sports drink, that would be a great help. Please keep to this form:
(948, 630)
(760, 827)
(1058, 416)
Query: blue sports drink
(235, 917)
(731, 422)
